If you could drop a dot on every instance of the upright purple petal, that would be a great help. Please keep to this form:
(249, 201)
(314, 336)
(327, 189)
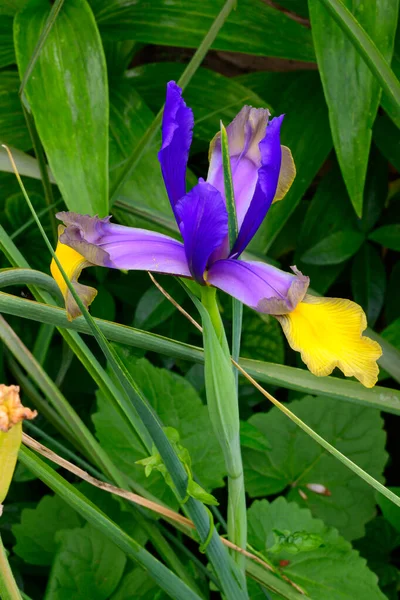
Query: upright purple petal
(259, 285)
(177, 128)
(203, 224)
(267, 182)
(115, 246)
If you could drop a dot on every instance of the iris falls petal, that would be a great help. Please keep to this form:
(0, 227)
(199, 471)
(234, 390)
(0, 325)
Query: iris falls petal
(204, 225)
(328, 333)
(177, 133)
(259, 285)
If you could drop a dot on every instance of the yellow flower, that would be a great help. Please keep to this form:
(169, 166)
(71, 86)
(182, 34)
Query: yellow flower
(328, 334)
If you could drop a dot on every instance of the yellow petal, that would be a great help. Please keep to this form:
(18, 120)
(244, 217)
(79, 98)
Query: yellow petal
(72, 263)
(328, 333)
(286, 175)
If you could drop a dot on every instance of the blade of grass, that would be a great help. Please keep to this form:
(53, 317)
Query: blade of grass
(42, 342)
(226, 570)
(8, 586)
(167, 580)
(382, 398)
(183, 81)
(369, 52)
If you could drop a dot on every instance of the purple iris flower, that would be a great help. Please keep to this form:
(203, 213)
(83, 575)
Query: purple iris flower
(262, 171)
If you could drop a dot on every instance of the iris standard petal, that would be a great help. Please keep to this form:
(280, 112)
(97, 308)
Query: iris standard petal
(244, 135)
(177, 132)
(259, 285)
(266, 186)
(286, 174)
(204, 226)
(328, 333)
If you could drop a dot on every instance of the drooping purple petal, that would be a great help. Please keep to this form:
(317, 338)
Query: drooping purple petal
(259, 285)
(244, 135)
(115, 246)
(267, 182)
(203, 224)
(177, 132)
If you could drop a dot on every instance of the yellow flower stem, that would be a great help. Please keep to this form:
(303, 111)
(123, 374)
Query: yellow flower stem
(8, 587)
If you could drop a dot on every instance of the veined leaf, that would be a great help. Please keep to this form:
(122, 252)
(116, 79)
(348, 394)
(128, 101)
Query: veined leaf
(296, 462)
(185, 24)
(13, 129)
(72, 118)
(7, 54)
(352, 93)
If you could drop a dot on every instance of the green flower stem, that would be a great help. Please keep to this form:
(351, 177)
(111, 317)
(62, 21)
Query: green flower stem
(222, 401)
(8, 587)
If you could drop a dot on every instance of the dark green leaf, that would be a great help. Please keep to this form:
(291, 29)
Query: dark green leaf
(335, 248)
(184, 25)
(137, 585)
(296, 461)
(387, 138)
(154, 308)
(376, 189)
(392, 304)
(352, 93)
(72, 118)
(390, 511)
(305, 131)
(87, 565)
(7, 54)
(332, 572)
(388, 236)
(13, 130)
(262, 338)
(369, 282)
(35, 534)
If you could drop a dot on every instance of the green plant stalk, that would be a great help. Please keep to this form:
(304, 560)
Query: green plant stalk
(368, 50)
(183, 81)
(8, 587)
(228, 575)
(167, 580)
(223, 408)
(42, 342)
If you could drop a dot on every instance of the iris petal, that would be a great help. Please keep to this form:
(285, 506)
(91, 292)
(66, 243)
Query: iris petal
(328, 333)
(266, 187)
(259, 285)
(203, 224)
(177, 133)
(286, 175)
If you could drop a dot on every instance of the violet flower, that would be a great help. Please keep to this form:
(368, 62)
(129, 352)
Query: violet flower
(328, 332)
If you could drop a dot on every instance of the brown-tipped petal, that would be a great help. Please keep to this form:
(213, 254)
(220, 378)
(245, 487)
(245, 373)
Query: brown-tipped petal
(11, 409)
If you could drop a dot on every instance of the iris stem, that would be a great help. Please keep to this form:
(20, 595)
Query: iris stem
(8, 587)
(222, 401)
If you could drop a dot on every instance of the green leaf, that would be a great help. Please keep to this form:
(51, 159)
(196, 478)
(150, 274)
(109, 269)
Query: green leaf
(183, 25)
(388, 236)
(72, 120)
(353, 93)
(137, 585)
(295, 460)
(129, 119)
(35, 535)
(387, 138)
(225, 98)
(13, 130)
(154, 308)
(7, 54)
(368, 282)
(331, 572)
(228, 187)
(390, 511)
(177, 405)
(87, 565)
(262, 338)
(301, 98)
(251, 437)
(392, 304)
(335, 248)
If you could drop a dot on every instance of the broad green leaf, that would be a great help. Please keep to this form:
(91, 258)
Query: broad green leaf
(329, 211)
(11, 7)
(305, 131)
(35, 535)
(335, 248)
(72, 117)
(392, 304)
(87, 565)
(387, 138)
(137, 585)
(368, 282)
(184, 25)
(223, 101)
(13, 129)
(390, 511)
(177, 405)
(129, 119)
(296, 461)
(7, 54)
(353, 93)
(332, 572)
(380, 541)
(388, 236)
